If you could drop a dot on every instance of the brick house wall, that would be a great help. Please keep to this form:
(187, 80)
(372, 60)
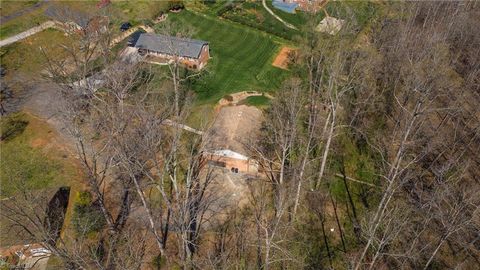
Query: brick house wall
(192, 63)
(199, 63)
(249, 166)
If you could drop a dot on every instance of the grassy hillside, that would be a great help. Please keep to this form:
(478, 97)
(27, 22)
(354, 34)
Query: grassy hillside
(241, 57)
(26, 55)
(22, 23)
(254, 15)
(10, 7)
(32, 158)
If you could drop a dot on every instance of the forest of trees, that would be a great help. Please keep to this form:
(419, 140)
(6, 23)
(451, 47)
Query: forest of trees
(370, 151)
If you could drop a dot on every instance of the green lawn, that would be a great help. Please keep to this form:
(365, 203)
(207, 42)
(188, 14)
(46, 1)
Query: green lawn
(9, 7)
(257, 101)
(22, 23)
(27, 158)
(211, 7)
(298, 19)
(241, 57)
(26, 56)
(254, 15)
(32, 159)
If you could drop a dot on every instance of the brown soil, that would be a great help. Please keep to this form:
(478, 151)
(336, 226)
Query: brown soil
(234, 127)
(236, 98)
(38, 143)
(282, 59)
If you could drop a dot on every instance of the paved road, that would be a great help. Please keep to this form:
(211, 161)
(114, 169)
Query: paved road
(25, 34)
(53, 24)
(5, 19)
(291, 26)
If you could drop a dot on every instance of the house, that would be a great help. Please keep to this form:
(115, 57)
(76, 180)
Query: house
(191, 53)
(234, 130)
(74, 21)
(29, 256)
(233, 161)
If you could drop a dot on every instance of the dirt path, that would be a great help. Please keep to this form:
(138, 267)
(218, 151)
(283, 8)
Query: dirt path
(282, 58)
(291, 26)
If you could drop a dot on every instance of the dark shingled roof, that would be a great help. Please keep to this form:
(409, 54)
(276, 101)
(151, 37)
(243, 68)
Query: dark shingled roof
(171, 45)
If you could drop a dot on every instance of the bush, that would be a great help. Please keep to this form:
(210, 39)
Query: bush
(228, 98)
(176, 5)
(158, 262)
(12, 126)
(226, 8)
(209, 2)
(87, 217)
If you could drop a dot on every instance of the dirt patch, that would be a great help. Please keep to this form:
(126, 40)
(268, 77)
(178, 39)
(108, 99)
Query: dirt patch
(38, 143)
(330, 25)
(283, 58)
(234, 128)
(237, 98)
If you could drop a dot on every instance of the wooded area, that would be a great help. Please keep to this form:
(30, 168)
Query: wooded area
(368, 153)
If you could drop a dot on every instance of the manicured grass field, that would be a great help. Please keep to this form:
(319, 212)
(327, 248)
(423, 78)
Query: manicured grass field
(31, 156)
(241, 57)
